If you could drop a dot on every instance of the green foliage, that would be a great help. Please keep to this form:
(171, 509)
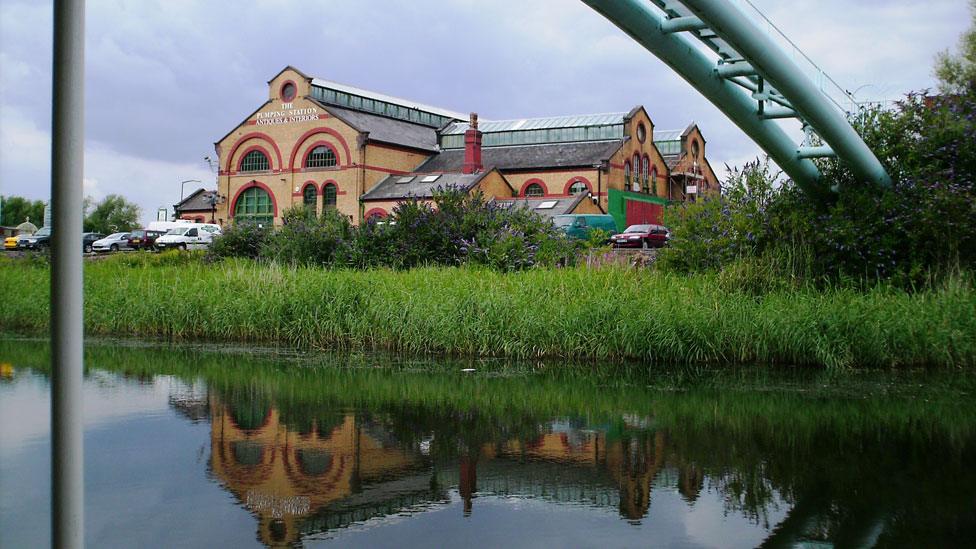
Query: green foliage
(113, 214)
(305, 239)
(711, 233)
(459, 228)
(15, 210)
(607, 313)
(957, 73)
(242, 239)
(920, 229)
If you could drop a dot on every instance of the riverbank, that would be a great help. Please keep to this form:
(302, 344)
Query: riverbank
(607, 313)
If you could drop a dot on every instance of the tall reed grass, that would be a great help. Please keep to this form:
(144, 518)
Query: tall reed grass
(608, 313)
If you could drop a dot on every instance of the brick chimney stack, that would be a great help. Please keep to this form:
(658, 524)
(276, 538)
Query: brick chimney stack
(472, 147)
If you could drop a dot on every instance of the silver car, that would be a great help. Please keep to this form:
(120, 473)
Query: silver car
(112, 243)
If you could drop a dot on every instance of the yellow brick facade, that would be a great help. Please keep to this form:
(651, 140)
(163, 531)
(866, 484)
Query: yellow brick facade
(286, 130)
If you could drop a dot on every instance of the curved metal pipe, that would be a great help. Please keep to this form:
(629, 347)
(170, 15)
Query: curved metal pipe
(768, 59)
(638, 19)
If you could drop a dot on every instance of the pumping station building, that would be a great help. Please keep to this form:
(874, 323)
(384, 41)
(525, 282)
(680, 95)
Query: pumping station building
(327, 145)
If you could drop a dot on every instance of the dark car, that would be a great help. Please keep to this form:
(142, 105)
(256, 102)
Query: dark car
(642, 236)
(37, 241)
(87, 239)
(144, 239)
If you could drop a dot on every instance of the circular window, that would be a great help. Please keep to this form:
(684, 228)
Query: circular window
(641, 133)
(288, 92)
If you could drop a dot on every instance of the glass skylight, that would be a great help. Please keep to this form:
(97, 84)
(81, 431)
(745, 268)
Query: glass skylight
(547, 205)
(406, 179)
(429, 178)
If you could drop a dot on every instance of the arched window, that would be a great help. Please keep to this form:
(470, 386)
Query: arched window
(310, 198)
(694, 149)
(647, 173)
(653, 186)
(626, 175)
(254, 205)
(320, 157)
(329, 196)
(578, 187)
(637, 173)
(535, 189)
(255, 161)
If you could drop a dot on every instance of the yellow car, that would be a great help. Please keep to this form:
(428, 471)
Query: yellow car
(10, 243)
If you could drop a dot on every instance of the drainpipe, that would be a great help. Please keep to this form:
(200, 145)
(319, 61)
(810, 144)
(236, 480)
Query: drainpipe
(361, 184)
(67, 299)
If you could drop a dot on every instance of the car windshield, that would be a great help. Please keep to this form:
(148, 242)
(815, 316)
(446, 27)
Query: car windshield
(118, 236)
(178, 230)
(44, 231)
(638, 229)
(137, 234)
(563, 221)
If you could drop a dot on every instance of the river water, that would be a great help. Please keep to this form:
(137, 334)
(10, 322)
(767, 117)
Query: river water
(231, 447)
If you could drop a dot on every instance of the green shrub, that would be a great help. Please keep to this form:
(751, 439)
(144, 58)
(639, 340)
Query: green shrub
(306, 239)
(240, 239)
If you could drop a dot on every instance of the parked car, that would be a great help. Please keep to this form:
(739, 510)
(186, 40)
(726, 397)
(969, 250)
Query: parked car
(10, 243)
(112, 243)
(642, 236)
(581, 225)
(144, 239)
(88, 240)
(198, 235)
(37, 241)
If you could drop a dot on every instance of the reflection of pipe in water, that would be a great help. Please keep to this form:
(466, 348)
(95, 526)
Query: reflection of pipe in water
(468, 482)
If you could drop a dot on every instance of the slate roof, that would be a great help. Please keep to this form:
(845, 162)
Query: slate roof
(387, 130)
(199, 200)
(559, 206)
(523, 157)
(390, 187)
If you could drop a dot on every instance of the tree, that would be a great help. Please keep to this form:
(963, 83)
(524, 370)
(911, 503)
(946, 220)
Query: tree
(113, 214)
(957, 73)
(16, 209)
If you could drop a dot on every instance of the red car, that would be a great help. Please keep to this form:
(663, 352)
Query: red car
(144, 239)
(642, 236)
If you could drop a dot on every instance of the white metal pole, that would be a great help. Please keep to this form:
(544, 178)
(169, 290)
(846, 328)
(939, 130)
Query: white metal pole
(67, 335)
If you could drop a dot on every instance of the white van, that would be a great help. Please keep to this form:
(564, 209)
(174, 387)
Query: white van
(188, 236)
(164, 226)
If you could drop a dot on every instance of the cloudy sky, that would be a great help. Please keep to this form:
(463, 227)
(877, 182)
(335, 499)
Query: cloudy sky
(167, 78)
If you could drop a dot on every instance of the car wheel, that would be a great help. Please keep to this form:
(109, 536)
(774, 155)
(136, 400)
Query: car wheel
(114, 247)
(88, 248)
(645, 244)
(183, 247)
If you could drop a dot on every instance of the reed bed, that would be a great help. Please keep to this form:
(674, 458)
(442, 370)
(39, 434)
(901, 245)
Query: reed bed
(607, 313)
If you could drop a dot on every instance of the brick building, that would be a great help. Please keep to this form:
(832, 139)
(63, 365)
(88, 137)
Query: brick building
(326, 145)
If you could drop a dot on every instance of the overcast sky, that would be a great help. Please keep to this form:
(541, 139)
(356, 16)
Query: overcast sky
(167, 78)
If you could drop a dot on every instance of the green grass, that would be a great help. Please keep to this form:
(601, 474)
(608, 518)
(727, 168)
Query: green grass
(609, 313)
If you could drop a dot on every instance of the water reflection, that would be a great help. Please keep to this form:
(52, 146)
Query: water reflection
(316, 454)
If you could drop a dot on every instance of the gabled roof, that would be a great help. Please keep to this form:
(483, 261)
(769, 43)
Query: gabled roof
(523, 157)
(289, 67)
(384, 129)
(547, 207)
(199, 200)
(414, 186)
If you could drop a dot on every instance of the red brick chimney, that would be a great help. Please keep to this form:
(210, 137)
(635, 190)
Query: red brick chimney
(472, 147)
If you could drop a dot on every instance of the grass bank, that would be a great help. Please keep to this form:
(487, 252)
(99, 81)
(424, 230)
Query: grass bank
(571, 313)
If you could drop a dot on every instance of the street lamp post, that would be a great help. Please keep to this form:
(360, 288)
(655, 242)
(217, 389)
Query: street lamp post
(183, 186)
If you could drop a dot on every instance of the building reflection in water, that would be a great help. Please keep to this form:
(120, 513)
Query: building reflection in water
(344, 468)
